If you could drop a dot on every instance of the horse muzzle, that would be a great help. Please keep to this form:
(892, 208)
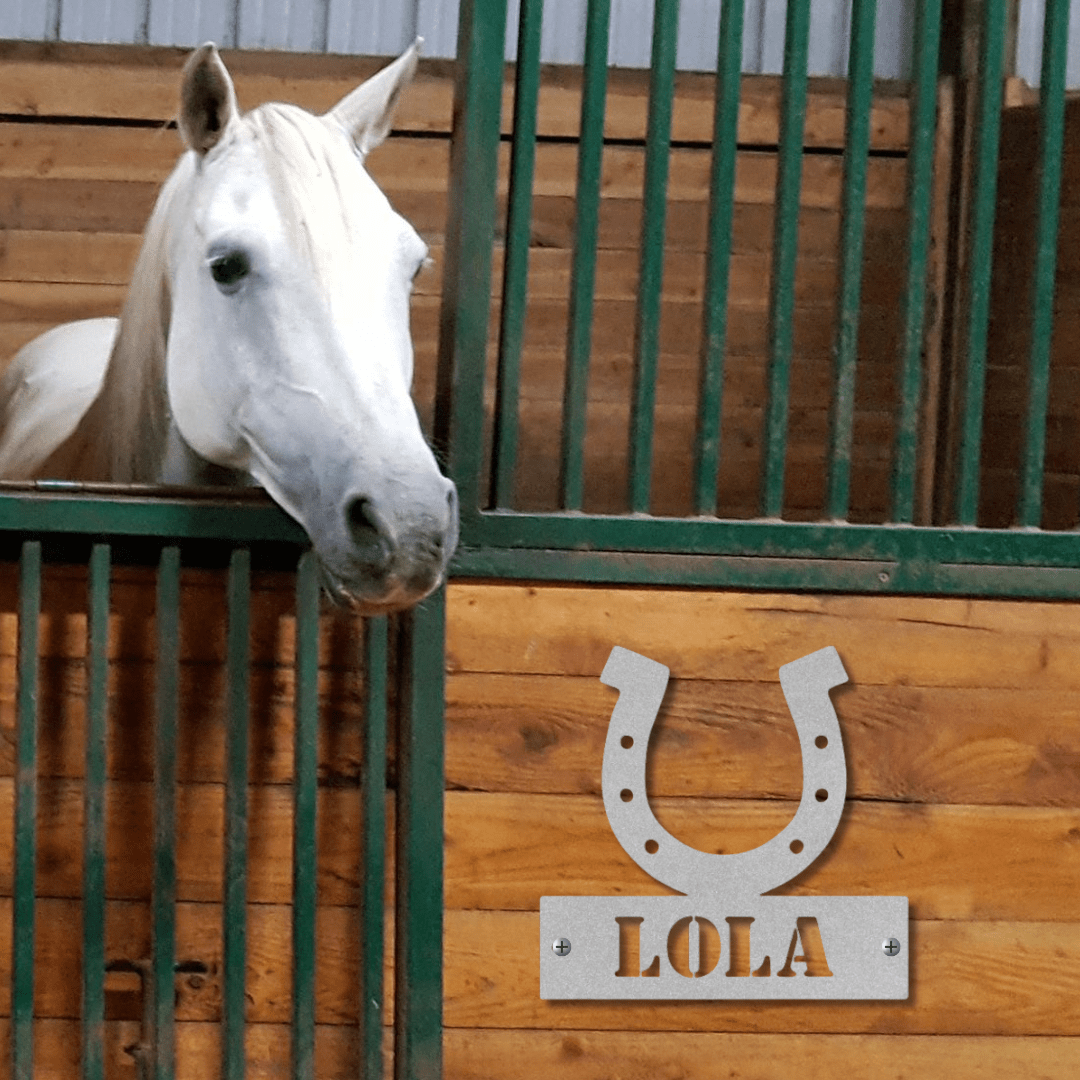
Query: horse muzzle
(396, 553)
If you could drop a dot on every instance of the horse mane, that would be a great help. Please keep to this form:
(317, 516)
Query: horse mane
(123, 435)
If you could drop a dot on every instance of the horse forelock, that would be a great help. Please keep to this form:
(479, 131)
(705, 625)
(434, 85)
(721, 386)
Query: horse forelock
(312, 171)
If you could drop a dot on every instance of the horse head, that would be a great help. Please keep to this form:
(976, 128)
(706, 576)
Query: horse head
(288, 356)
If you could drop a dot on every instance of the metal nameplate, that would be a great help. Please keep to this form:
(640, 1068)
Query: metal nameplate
(724, 939)
(674, 948)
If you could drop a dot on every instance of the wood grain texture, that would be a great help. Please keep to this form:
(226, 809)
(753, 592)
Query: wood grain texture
(968, 978)
(198, 1050)
(976, 978)
(121, 83)
(628, 1055)
(954, 862)
(700, 634)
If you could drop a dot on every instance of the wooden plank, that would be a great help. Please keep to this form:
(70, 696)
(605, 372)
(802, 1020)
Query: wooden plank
(109, 258)
(63, 624)
(81, 152)
(123, 206)
(198, 1052)
(62, 704)
(142, 83)
(961, 862)
(486, 1054)
(545, 734)
(120, 206)
(49, 304)
(198, 842)
(907, 641)
(982, 863)
(198, 938)
(969, 978)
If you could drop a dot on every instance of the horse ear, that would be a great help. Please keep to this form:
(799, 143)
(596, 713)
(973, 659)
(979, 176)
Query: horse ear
(367, 112)
(207, 99)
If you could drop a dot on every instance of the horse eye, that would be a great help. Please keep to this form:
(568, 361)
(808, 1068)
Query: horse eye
(229, 270)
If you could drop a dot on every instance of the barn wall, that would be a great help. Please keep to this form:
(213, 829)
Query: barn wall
(74, 196)
(962, 746)
(1010, 324)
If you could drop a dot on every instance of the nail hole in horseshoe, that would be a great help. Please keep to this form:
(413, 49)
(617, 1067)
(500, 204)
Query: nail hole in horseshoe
(821, 794)
(821, 742)
(796, 846)
(652, 847)
(626, 742)
(626, 794)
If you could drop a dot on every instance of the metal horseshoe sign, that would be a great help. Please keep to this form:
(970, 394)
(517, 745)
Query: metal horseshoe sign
(723, 939)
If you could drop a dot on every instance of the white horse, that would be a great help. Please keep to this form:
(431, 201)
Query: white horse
(264, 339)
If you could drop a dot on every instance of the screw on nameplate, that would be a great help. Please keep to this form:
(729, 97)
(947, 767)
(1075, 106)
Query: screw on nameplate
(723, 938)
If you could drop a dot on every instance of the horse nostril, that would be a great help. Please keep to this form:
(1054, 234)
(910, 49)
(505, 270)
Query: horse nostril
(365, 529)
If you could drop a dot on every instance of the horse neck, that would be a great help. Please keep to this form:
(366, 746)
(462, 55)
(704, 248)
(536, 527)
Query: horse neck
(123, 436)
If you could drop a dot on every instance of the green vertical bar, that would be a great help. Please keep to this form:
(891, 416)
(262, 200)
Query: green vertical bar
(718, 260)
(419, 893)
(305, 781)
(920, 175)
(590, 161)
(234, 908)
(651, 272)
(1051, 133)
(22, 917)
(470, 236)
(981, 232)
(373, 846)
(163, 902)
(785, 250)
(515, 288)
(93, 962)
(860, 98)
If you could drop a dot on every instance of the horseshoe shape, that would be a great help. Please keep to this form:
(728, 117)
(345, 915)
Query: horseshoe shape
(641, 683)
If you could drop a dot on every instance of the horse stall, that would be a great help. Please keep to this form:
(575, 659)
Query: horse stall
(687, 349)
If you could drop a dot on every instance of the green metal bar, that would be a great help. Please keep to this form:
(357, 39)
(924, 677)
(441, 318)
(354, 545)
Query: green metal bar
(651, 265)
(515, 287)
(1051, 133)
(718, 259)
(163, 902)
(981, 232)
(373, 845)
(93, 928)
(419, 892)
(69, 510)
(583, 269)
(616, 538)
(785, 250)
(305, 789)
(470, 236)
(919, 198)
(860, 99)
(234, 907)
(22, 915)
(913, 575)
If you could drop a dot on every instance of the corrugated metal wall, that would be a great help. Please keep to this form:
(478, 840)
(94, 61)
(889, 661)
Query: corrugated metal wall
(384, 27)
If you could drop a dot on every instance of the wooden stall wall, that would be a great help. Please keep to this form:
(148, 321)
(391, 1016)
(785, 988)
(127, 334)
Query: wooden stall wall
(962, 740)
(83, 150)
(1010, 326)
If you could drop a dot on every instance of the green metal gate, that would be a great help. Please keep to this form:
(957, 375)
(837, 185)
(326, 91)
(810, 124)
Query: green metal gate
(951, 556)
(99, 529)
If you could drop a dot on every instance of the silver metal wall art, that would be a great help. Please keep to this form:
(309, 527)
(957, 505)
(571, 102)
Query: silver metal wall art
(723, 938)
